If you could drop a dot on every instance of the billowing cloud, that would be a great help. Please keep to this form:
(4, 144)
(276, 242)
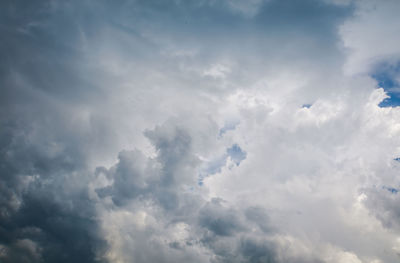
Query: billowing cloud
(199, 131)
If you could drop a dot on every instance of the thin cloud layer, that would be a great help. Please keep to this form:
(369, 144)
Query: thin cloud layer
(199, 131)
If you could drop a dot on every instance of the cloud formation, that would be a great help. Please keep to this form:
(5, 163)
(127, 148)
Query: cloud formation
(199, 131)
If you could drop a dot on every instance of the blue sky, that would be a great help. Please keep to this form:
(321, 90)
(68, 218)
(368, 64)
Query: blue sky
(387, 77)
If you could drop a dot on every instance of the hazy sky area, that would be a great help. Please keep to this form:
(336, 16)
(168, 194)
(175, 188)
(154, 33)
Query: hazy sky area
(200, 131)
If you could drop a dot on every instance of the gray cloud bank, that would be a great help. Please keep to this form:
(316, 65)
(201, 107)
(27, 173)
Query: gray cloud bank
(174, 131)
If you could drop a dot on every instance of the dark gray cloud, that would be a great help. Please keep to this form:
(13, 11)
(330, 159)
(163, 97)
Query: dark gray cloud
(383, 202)
(46, 213)
(219, 220)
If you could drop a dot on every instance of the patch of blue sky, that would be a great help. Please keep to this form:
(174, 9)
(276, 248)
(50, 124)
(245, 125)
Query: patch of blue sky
(393, 101)
(212, 167)
(391, 189)
(228, 126)
(215, 166)
(388, 77)
(236, 154)
(307, 105)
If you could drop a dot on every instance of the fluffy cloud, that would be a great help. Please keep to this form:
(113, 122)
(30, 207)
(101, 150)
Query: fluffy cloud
(199, 131)
(371, 35)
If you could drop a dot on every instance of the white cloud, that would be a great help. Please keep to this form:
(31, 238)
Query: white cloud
(371, 36)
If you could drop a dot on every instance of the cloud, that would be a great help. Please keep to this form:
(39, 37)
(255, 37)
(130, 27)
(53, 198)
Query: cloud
(370, 36)
(199, 131)
(176, 218)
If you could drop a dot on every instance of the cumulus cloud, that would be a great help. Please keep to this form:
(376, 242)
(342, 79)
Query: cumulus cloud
(199, 131)
(371, 35)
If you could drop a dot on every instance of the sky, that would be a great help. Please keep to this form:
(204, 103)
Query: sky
(204, 131)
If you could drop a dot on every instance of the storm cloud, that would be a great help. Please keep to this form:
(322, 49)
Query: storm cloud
(199, 131)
